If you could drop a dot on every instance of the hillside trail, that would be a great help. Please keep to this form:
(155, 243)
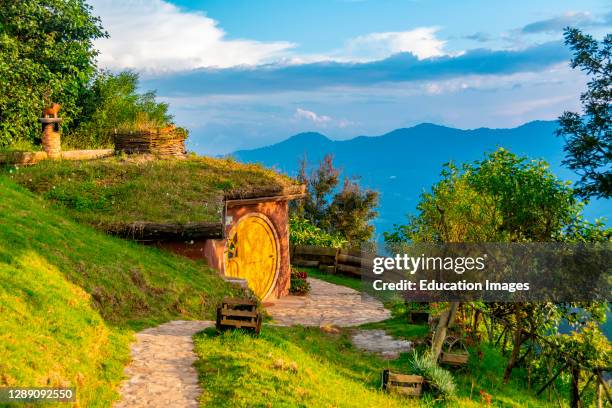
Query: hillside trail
(161, 373)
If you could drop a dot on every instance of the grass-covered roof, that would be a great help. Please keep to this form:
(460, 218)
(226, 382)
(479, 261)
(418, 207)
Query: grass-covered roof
(119, 191)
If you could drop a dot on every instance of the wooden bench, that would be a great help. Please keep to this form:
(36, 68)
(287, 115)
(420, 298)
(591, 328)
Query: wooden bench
(238, 313)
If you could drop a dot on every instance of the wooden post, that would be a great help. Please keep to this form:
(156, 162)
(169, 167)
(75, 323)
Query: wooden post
(575, 401)
(604, 386)
(552, 379)
(599, 395)
(447, 318)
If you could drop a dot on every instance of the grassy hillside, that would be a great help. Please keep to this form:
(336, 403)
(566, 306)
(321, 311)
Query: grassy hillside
(71, 296)
(306, 367)
(337, 354)
(117, 190)
(287, 367)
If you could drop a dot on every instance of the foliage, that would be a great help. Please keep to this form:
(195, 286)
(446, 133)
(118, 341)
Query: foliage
(440, 379)
(123, 190)
(303, 232)
(484, 373)
(320, 185)
(112, 102)
(347, 212)
(46, 54)
(71, 296)
(453, 212)
(505, 198)
(299, 283)
(588, 345)
(501, 198)
(581, 230)
(589, 135)
(351, 211)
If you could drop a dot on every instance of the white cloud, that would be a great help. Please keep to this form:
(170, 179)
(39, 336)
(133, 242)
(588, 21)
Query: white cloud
(421, 42)
(157, 36)
(154, 35)
(312, 116)
(321, 120)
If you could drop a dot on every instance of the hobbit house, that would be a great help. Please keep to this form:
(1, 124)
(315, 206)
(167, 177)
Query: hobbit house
(252, 244)
(234, 216)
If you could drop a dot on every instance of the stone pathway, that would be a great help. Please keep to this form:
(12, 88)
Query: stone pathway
(161, 373)
(327, 304)
(377, 341)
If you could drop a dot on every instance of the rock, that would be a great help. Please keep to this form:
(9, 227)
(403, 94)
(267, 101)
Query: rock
(378, 341)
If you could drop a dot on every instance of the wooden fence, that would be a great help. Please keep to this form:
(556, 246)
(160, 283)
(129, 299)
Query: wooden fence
(330, 260)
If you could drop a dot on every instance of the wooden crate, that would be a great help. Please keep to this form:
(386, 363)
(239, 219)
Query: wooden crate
(454, 352)
(238, 313)
(455, 359)
(409, 385)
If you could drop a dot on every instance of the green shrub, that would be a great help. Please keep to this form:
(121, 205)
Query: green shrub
(438, 378)
(299, 283)
(112, 102)
(46, 54)
(303, 232)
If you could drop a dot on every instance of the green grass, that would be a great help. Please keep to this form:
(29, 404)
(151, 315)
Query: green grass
(342, 280)
(288, 367)
(486, 373)
(21, 146)
(70, 298)
(485, 369)
(305, 367)
(399, 327)
(118, 190)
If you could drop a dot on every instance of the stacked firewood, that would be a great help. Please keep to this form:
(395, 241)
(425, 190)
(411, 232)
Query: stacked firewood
(169, 141)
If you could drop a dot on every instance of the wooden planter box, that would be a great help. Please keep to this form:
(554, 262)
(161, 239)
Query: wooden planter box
(237, 313)
(455, 359)
(454, 352)
(409, 385)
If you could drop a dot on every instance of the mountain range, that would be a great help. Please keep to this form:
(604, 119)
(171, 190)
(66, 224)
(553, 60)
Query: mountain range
(404, 163)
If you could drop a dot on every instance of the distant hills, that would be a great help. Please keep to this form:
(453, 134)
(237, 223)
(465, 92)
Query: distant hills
(405, 162)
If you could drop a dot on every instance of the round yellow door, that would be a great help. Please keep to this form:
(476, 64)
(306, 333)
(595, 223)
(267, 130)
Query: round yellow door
(252, 254)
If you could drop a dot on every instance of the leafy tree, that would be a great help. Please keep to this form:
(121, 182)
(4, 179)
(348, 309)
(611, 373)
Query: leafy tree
(347, 212)
(504, 198)
(320, 186)
(451, 200)
(46, 54)
(303, 232)
(112, 102)
(499, 199)
(351, 212)
(589, 135)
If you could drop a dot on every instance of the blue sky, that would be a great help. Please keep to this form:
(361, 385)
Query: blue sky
(247, 73)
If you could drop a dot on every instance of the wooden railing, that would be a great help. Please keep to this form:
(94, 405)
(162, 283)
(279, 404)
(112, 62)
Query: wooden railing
(330, 260)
